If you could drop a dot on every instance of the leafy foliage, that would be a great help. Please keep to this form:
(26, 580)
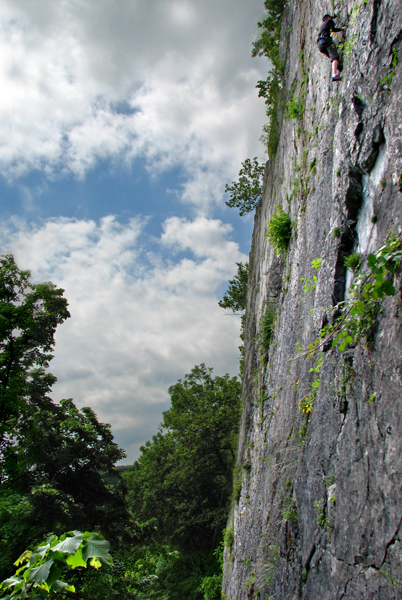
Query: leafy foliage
(268, 44)
(247, 191)
(41, 570)
(360, 310)
(183, 478)
(267, 326)
(353, 261)
(270, 88)
(211, 586)
(295, 108)
(66, 451)
(306, 403)
(279, 230)
(16, 516)
(29, 315)
(52, 457)
(236, 295)
(311, 284)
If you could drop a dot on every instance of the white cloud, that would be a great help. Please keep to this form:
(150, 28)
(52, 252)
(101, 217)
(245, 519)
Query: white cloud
(182, 68)
(170, 82)
(138, 321)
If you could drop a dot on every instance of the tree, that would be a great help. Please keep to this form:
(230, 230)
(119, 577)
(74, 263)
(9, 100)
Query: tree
(247, 191)
(183, 478)
(29, 315)
(268, 44)
(52, 457)
(65, 452)
(235, 296)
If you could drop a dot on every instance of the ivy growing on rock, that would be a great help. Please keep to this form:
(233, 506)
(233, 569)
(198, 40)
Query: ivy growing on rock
(360, 310)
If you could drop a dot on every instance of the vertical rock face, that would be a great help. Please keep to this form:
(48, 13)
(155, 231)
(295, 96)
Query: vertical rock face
(320, 509)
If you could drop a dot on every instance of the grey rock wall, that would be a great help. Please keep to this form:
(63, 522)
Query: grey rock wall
(320, 509)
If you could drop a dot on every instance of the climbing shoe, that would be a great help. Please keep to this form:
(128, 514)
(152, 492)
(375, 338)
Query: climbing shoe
(336, 78)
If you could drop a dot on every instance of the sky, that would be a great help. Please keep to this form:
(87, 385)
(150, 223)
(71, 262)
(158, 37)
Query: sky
(121, 121)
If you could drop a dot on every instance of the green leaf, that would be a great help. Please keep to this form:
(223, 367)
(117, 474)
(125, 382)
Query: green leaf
(349, 340)
(96, 563)
(12, 581)
(59, 585)
(23, 558)
(42, 550)
(54, 575)
(40, 574)
(76, 560)
(69, 546)
(388, 288)
(97, 547)
(358, 309)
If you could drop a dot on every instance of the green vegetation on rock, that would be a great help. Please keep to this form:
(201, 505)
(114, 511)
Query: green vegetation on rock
(279, 230)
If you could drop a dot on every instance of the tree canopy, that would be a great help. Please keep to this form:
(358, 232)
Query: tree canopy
(29, 315)
(182, 479)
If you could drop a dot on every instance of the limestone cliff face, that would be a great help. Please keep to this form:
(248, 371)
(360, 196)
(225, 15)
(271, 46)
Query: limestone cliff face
(320, 510)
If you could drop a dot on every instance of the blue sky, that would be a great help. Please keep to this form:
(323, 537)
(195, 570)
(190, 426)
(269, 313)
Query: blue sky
(121, 123)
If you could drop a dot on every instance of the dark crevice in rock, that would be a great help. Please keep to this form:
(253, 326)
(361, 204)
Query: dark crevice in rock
(396, 42)
(345, 589)
(307, 566)
(353, 200)
(374, 20)
(359, 129)
(358, 104)
(394, 538)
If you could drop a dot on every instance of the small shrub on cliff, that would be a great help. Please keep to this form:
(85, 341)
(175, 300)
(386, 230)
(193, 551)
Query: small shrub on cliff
(353, 261)
(236, 295)
(247, 191)
(228, 536)
(267, 326)
(279, 230)
(295, 108)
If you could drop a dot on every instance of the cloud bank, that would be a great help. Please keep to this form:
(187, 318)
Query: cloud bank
(139, 320)
(167, 85)
(167, 81)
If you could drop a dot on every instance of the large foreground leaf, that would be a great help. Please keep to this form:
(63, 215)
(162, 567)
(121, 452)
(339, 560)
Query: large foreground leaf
(40, 574)
(70, 545)
(97, 547)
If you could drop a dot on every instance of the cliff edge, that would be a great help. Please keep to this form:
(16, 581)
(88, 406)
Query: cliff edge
(317, 511)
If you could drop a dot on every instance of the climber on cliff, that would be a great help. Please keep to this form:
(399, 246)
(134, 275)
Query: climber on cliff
(326, 44)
